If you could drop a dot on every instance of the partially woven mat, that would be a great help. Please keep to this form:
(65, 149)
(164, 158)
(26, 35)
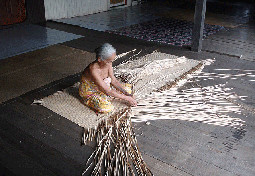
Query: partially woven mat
(148, 73)
(117, 152)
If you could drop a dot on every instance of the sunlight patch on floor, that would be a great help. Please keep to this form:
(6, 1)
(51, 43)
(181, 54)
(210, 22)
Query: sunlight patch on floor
(209, 104)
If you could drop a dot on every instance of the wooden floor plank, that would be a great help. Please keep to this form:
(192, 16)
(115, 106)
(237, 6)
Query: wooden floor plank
(173, 154)
(43, 154)
(19, 163)
(49, 118)
(5, 172)
(47, 135)
(161, 168)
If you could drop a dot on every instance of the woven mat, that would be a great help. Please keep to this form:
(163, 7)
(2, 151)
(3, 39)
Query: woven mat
(148, 73)
(165, 30)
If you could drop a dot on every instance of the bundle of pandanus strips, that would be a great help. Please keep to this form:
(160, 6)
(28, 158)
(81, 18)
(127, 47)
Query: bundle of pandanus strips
(117, 152)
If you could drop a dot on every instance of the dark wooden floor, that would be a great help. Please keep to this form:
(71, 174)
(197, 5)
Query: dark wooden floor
(36, 141)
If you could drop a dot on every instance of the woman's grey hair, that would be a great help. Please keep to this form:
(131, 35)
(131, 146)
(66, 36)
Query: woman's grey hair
(105, 51)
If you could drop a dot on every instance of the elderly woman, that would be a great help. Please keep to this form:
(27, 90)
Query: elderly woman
(96, 79)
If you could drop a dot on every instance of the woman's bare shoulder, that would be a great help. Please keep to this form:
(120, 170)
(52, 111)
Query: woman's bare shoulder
(89, 68)
(86, 74)
(93, 67)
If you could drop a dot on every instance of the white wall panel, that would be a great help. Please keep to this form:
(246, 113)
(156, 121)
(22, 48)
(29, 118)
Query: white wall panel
(56, 9)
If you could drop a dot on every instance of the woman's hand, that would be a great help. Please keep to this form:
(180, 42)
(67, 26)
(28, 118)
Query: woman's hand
(131, 101)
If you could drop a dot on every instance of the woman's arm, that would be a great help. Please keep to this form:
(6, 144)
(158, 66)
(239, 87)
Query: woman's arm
(117, 84)
(104, 88)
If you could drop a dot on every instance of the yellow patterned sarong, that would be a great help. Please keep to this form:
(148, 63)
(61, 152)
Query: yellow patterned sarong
(95, 98)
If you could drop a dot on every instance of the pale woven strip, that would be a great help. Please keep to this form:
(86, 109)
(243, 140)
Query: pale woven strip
(147, 74)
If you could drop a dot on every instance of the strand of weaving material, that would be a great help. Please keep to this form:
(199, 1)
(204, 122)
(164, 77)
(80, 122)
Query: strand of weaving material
(115, 135)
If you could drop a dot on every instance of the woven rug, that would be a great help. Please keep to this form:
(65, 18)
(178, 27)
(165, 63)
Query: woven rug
(117, 149)
(165, 30)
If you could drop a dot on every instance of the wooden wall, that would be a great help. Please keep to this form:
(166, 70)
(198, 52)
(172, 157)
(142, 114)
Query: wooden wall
(38, 11)
(56, 9)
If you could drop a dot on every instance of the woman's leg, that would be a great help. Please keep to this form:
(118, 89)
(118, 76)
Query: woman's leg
(95, 99)
(99, 102)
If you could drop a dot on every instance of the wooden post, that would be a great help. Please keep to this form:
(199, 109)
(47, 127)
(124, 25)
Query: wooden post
(35, 11)
(199, 19)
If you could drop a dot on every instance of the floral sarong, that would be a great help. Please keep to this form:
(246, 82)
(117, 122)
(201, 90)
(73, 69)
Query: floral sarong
(96, 99)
